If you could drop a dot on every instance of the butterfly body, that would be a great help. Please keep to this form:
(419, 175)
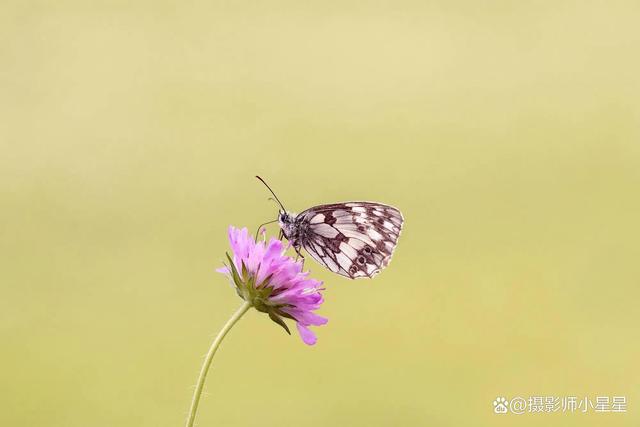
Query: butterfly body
(353, 239)
(292, 227)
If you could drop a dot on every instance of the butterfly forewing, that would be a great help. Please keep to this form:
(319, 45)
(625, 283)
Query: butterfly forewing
(354, 239)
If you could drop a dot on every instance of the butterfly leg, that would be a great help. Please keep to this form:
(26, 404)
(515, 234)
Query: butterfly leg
(299, 255)
(262, 225)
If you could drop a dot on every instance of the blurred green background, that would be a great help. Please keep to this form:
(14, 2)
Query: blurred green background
(508, 133)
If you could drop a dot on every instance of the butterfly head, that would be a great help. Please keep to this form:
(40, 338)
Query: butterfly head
(285, 218)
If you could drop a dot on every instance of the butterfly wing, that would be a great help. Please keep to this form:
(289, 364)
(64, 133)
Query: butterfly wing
(354, 239)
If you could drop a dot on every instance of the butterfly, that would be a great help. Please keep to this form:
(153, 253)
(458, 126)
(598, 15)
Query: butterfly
(353, 239)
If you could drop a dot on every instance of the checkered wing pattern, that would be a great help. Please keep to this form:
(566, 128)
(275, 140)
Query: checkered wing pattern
(354, 239)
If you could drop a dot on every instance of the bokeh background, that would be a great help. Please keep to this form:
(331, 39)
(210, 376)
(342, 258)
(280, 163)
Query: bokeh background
(507, 133)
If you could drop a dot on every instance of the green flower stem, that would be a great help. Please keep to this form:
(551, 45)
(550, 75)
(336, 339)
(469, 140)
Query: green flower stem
(207, 361)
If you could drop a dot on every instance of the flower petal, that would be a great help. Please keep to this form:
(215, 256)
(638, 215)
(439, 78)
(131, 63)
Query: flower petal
(308, 337)
(289, 290)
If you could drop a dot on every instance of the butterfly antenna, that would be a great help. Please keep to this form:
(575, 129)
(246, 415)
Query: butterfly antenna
(274, 194)
(273, 200)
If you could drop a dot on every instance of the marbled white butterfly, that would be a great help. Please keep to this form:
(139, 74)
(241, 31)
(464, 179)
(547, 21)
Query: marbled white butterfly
(353, 239)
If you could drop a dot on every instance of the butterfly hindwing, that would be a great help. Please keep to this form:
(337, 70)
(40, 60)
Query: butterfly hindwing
(354, 239)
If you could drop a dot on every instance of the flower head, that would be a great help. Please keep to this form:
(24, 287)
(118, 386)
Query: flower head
(274, 283)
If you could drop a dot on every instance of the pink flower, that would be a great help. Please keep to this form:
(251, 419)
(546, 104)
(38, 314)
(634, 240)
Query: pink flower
(274, 283)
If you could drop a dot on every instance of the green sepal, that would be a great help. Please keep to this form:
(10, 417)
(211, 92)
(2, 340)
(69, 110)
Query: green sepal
(259, 304)
(234, 273)
(283, 314)
(245, 272)
(265, 283)
(279, 321)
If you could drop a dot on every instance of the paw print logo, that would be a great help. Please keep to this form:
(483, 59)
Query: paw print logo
(500, 405)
